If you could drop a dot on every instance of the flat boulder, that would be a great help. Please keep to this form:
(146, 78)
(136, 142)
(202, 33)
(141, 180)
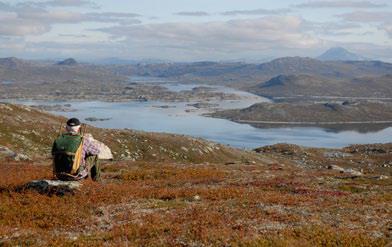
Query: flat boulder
(8, 153)
(52, 187)
(349, 171)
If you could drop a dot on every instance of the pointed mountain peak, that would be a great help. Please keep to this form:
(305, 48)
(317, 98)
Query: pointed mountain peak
(340, 54)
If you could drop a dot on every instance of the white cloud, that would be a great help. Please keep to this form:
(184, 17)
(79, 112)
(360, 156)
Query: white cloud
(14, 44)
(192, 13)
(332, 28)
(387, 27)
(29, 19)
(111, 17)
(12, 25)
(50, 17)
(216, 38)
(64, 3)
(381, 18)
(73, 35)
(340, 4)
(367, 16)
(256, 12)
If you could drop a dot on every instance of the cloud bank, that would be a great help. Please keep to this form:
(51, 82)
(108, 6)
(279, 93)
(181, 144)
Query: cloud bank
(33, 19)
(82, 27)
(340, 4)
(194, 13)
(217, 38)
(256, 12)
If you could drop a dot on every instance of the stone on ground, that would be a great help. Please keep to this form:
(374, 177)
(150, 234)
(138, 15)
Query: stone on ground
(8, 153)
(53, 187)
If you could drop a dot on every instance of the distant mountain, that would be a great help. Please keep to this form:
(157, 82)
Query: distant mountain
(238, 75)
(228, 73)
(68, 62)
(12, 62)
(242, 75)
(311, 85)
(120, 61)
(340, 54)
(32, 71)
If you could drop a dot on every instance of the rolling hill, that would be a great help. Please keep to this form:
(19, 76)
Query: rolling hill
(239, 75)
(313, 112)
(29, 71)
(303, 86)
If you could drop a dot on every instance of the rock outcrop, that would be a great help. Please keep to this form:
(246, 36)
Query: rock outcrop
(8, 153)
(52, 187)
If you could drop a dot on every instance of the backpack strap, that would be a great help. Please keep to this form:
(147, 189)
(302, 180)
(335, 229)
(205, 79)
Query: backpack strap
(78, 158)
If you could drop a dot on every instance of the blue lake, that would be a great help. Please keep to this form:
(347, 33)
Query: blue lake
(147, 116)
(180, 118)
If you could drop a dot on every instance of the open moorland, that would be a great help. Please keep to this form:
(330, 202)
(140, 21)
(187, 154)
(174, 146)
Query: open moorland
(170, 190)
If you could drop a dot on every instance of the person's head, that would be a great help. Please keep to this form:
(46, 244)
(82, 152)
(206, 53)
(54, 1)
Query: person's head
(73, 125)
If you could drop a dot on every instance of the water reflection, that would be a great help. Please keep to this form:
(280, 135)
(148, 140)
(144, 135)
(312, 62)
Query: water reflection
(144, 116)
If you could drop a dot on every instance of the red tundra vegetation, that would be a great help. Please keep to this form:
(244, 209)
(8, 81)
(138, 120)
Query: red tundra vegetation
(144, 204)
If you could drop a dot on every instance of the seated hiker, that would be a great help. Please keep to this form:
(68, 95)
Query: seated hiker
(75, 156)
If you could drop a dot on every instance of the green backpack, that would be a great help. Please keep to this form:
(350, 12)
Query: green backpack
(64, 151)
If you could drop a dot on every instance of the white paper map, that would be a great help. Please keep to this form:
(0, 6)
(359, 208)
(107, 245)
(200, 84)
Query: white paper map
(105, 152)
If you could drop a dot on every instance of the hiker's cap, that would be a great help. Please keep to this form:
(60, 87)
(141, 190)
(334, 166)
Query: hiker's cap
(73, 122)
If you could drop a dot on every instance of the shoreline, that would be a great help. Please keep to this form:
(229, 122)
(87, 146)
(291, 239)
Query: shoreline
(312, 123)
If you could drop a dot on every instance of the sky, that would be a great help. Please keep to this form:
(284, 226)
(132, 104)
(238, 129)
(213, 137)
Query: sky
(193, 30)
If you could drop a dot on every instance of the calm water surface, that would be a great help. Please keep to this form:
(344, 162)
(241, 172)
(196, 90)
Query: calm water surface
(147, 117)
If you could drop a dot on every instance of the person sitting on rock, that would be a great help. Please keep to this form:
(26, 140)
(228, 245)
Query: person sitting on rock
(75, 156)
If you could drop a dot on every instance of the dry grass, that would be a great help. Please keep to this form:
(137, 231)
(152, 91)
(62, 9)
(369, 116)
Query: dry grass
(139, 204)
